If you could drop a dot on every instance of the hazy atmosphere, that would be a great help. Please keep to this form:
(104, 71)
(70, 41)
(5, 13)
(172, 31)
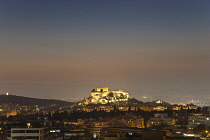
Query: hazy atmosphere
(58, 49)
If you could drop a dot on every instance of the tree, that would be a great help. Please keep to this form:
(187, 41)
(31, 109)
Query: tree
(200, 128)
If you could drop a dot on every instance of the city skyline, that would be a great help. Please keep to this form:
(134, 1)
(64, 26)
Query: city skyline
(51, 49)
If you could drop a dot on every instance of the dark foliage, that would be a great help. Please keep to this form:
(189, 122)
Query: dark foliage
(26, 101)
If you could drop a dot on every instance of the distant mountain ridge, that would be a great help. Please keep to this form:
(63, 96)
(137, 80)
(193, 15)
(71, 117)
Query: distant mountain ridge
(13, 99)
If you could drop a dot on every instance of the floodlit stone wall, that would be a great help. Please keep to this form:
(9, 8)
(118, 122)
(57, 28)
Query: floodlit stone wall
(103, 95)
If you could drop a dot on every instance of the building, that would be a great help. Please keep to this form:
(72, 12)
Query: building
(197, 119)
(160, 120)
(29, 134)
(126, 133)
(120, 133)
(181, 116)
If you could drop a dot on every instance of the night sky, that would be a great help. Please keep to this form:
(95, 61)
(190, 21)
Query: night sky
(57, 48)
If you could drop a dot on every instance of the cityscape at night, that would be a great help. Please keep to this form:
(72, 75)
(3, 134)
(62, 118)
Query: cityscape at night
(104, 70)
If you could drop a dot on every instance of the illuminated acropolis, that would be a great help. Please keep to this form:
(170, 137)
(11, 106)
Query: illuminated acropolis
(103, 95)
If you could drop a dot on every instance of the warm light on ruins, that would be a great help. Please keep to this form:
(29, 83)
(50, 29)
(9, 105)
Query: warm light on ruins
(103, 95)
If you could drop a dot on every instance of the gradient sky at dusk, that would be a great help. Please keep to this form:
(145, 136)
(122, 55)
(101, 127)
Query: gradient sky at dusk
(56, 49)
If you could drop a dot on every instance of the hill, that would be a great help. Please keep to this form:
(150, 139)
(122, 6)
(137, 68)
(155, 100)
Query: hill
(13, 99)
